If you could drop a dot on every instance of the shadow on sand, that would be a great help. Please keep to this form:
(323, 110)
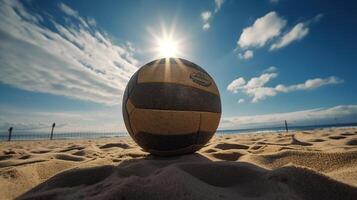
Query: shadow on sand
(191, 176)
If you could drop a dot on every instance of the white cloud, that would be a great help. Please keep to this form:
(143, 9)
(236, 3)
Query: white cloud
(257, 89)
(260, 93)
(270, 69)
(205, 16)
(270, 29)
(206, 26)
(91, 21)
(246, 55)
(296, 33)
(260, 81)
(241, 101)
(309, 84)
(299, 31)
(337, 114)
(74, 60)
(218, 4)
(236, 84)
(262, 30)
(68, 10)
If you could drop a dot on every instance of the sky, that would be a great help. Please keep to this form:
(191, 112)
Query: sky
(69, 61)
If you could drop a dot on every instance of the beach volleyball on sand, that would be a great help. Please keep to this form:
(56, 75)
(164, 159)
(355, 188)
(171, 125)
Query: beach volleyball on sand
(178, 100)
(171, 106)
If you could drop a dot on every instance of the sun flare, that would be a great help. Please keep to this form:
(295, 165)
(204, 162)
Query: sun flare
(169, 43)
(167, 48)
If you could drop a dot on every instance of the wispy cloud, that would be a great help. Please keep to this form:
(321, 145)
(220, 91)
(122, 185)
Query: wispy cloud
(309, 84)
(257, 89)
(207, 15)
(218, 4)
(246, 55)
(296, 33)
(270, 69)
(337, 114)
(316, 19)
(241, 101)
(68, 10)
(72, 59)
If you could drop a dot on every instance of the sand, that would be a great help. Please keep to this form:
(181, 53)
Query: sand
(320, 164)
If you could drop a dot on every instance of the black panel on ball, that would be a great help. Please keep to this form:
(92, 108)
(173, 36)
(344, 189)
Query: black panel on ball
(165, 142)
(170, 96)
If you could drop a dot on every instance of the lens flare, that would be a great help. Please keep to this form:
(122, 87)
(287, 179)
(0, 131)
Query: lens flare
(167, 48)
(168, 43)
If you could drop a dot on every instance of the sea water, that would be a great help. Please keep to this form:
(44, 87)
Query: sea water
(42, 135)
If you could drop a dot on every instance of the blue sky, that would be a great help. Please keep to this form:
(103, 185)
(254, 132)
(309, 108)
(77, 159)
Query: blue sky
(69, 61)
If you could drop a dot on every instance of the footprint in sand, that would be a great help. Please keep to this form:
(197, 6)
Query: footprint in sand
(227, 155)
(306, 132)
(225, 146)
(111, 145)
(9, 152)
(24, 157)
(5, 157)
(40, 151)
(317, 140)
(73, 147)
(347, 134)
(255, 147)
(352, 142)
(298, 142)
(80, 153)
(337, 137)
(68, 157)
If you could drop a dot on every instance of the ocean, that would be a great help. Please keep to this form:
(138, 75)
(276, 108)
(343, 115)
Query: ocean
(33, 135)
(290, 128)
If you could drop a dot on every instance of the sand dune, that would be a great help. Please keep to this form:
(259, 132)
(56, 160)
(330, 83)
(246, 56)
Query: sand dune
(319, 164)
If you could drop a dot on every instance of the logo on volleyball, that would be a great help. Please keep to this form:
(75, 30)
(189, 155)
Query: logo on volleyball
(201, 79)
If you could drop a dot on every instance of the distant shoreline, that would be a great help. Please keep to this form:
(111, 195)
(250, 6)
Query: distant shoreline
(32, 136)
(282, 128)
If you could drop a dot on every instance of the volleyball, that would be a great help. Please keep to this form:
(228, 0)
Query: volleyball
(171, 106)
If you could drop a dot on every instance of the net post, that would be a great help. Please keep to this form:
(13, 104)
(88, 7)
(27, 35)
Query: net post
(53, 127)
(10, 133)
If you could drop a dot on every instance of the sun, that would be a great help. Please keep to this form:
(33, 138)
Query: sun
(168, 48)
(167, 44)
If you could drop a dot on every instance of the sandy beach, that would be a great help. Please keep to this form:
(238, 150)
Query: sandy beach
(320, 164)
